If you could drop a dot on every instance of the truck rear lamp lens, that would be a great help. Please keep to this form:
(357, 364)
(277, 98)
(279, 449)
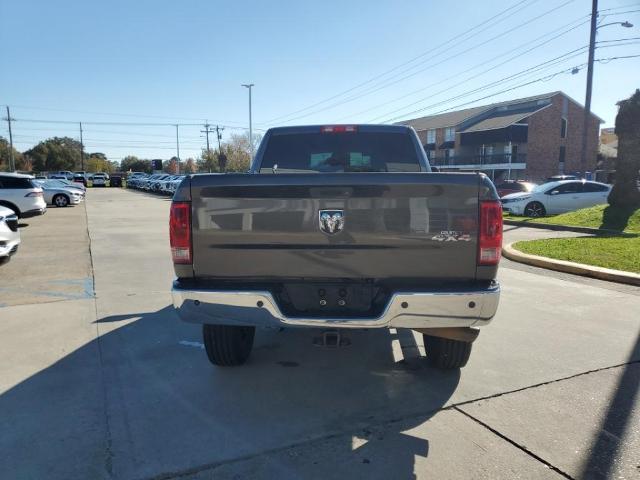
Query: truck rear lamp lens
(339, 129)
(180, 232)
(490, 233)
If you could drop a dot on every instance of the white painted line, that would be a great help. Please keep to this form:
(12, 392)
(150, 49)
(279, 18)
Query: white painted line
(187, 343)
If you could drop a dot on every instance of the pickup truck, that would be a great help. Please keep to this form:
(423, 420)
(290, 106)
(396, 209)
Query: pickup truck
(337, 227)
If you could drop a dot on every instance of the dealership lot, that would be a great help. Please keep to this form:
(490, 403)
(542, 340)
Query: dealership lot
(98, 378)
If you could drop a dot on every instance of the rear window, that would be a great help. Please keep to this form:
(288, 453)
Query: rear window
(16, 182)
(340, 152)
(594, 187)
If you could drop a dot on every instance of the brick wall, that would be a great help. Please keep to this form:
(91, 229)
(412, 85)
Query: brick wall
(544, 140)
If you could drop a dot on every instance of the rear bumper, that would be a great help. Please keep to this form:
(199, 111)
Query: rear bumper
(34, 213)
(460, 308)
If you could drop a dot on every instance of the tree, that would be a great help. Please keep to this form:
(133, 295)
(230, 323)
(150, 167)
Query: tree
(57, 153)
(97, 162)
(171, 166)
(208, 162)
(134, 164)
(625, 192)
(190, 166)
(5, 156)
(238, 153)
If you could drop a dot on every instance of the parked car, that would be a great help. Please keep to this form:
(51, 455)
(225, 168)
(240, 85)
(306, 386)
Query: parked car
(115, 181)
(62, 173)
(65, 184)
(311, 238)
(19, 193)
(507, 187)
(557, 178)
(60, 196)
(80, 178)
(556, 197)
(9, 234)
(99, 179)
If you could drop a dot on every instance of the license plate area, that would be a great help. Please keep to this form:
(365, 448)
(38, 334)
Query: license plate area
(331, 300)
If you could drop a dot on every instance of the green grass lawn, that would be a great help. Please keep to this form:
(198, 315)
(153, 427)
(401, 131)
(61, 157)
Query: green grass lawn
(619, 253)
(600, 216)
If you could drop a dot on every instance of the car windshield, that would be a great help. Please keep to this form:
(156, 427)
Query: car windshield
(340, 152)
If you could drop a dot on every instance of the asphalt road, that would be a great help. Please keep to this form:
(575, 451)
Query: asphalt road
(98, 378)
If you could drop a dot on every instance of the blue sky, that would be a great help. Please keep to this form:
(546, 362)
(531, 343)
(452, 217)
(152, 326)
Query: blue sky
(169, 62)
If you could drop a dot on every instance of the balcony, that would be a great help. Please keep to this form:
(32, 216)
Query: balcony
(499, 160)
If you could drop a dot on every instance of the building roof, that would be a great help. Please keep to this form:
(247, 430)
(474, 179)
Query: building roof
(498, 119)
(442, 120)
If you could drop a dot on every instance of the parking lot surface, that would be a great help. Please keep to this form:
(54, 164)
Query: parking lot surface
(107, 383)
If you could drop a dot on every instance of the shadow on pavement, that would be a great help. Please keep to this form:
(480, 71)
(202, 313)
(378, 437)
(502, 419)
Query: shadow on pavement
(143, 401)
(611, 434)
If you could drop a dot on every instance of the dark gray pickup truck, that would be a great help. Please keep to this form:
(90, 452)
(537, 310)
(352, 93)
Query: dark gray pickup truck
(337, 227)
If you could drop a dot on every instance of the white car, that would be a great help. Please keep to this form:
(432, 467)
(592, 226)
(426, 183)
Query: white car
(99, 179)
(9, 234)
(556, 197)
(19, 193)
(60, 196)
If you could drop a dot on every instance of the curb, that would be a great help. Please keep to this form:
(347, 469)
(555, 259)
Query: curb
(571, 267)
(566, 228)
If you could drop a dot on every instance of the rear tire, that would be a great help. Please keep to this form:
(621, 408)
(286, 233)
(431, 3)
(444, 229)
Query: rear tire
(226, 345)
(535, 210)
(445, 353)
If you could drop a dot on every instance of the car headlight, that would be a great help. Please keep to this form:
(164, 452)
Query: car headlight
(512, 200)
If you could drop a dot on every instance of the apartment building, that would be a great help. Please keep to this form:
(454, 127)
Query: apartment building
(527, 138)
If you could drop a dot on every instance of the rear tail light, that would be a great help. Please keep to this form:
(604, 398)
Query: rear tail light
(490, 233)
(338, 129)
(34, 194)
(180, 232)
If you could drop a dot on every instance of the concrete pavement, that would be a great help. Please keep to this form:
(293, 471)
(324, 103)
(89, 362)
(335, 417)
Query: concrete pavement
(115, 387)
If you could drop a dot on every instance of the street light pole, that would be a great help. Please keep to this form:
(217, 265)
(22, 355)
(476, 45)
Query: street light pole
(249, 85)
(587, 101)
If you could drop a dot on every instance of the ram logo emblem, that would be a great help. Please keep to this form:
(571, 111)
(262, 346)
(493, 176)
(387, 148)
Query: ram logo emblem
(331, 221)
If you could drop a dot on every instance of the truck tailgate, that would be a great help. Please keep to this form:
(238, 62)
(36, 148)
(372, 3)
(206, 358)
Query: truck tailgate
(396, 225)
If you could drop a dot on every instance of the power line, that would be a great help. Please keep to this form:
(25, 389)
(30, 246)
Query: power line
(484, 63)
(140, 124)
(540, 79)
(528, 71)
(383, 85)
(376, 77)
(549, 63)
(134, 115)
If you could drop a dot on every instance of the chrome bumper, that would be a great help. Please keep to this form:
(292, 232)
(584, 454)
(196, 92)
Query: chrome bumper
(460, 308)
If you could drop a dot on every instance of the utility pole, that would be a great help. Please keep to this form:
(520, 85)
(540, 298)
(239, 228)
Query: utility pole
(249, 85)
(178, 148)
(81, 148)
(222, 158)
(12, 160)
(207, 131)
(219, 135)
(587, 101)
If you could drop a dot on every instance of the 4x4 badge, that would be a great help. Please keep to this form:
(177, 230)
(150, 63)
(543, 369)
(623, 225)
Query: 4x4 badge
(331, 221)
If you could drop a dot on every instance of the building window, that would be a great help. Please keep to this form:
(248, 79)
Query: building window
(561, 155)
(449, 153)
(431, 136)
(563, 128)
(450, 134)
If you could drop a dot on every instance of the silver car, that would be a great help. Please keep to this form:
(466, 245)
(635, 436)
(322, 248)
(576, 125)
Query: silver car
(9, 234)
(60, 196)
